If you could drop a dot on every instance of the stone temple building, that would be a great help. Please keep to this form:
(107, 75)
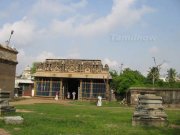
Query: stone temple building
(8, 62)
(87, 78)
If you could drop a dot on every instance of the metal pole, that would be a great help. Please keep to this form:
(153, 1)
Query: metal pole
(10, 37)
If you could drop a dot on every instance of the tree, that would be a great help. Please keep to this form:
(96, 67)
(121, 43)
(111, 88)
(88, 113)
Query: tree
(153, 75)
(125, 80)
(171, 75)
(33, 68)
(113, 73)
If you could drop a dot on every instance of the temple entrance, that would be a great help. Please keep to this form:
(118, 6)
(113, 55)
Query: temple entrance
(70, 86)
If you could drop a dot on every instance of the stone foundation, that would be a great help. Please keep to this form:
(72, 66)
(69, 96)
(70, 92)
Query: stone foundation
(149, 122)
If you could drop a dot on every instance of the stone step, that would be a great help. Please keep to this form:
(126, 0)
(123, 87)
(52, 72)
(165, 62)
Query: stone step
(150, 101)
(4, 96)
(4, 99)
(150, 106)
(163, 115)
(151, 97)
(9, 109)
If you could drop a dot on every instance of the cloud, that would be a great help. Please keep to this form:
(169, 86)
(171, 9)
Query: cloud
(48, 21)
(164, 67)
(31, 28)
(23, 32)
(80, 4)
(23, 60)
(45, 55)
(73, 54)
(154, 50)
(111, 63)
(122, 14)
(55, 8)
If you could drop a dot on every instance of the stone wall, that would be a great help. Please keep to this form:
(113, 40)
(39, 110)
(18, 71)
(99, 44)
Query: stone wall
(169, 95)
(7, 68)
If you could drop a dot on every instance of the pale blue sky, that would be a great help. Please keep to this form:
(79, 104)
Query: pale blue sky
(116, 31)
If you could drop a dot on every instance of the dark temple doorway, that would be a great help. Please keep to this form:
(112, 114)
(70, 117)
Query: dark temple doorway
(70, 86)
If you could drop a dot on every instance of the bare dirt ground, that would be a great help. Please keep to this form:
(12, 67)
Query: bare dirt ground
(3, 132)
(39, 100)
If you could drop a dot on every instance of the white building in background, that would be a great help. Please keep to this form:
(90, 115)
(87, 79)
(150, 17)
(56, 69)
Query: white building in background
(24, 84)
(27, 73)
(177, 79)
(164, 79)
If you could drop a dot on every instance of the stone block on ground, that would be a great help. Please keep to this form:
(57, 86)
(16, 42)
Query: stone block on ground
(13, 120)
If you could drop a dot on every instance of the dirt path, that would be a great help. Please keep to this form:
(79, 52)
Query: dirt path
(39, 100)
(3, 132)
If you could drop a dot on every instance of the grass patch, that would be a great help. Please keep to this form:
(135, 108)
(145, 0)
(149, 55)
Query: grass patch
(94, 103)
(84, 118)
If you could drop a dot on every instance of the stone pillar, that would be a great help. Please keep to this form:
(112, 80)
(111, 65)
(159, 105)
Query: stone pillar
(91, 89)
(50, 89)
(80, 91)
(107, 90)
(35, 87)
(42, 87)
(61, 89)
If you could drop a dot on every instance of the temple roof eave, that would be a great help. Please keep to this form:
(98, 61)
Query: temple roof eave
(73, 75)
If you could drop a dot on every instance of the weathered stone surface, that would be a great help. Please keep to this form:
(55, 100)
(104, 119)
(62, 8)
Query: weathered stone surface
(4, 103)
(171, 96)
(72, 65)
(145, 101)
(150, 96)
(150, 122)
(8, 61)
(13, 120)
(149, 111)
(150, 106)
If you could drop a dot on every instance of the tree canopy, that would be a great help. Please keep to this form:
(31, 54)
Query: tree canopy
(126, 79)
(171, 76)
(33, 68)
(153, 75)
(133, 78)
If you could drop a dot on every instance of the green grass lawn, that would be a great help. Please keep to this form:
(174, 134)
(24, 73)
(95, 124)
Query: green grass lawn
(84, 118)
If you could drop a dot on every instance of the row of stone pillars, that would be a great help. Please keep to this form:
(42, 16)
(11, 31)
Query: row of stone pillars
(62, 93)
